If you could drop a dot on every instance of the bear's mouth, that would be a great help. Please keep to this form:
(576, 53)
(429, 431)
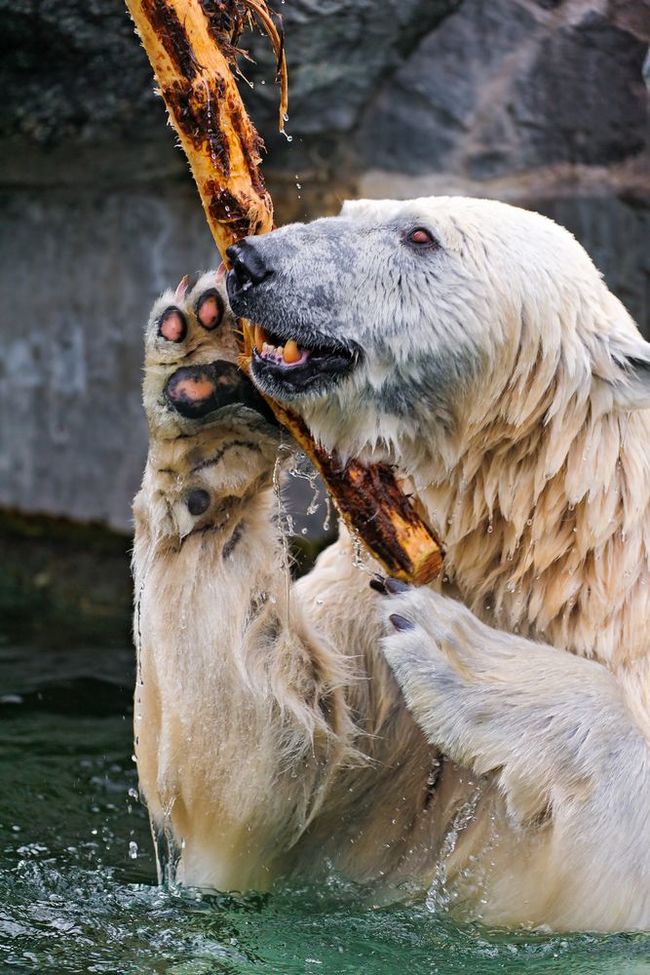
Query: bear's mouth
(286, 366)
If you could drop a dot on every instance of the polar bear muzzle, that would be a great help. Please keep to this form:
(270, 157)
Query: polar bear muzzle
(288, 359)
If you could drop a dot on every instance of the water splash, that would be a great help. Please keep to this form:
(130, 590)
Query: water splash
(73, 902)
(303, 471)
(439, 897)
(285, 525)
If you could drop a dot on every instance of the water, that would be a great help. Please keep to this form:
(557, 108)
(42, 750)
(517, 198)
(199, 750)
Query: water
(77, 880)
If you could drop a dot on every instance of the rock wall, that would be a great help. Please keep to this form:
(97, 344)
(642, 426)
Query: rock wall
(539, 102)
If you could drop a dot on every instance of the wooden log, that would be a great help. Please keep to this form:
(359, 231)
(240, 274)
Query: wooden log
(187, 42)
(191, 45)
(372, 504)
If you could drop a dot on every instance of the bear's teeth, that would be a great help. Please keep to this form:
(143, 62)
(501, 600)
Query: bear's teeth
(291, 352)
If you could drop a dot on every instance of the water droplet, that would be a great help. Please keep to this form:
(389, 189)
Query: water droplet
(133, 850)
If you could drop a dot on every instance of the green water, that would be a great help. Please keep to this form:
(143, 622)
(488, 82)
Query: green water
(77, 882)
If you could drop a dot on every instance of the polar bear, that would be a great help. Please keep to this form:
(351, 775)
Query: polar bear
(483, 742)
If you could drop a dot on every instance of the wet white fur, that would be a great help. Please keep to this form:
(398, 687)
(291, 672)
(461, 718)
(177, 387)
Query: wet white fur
(534, 470)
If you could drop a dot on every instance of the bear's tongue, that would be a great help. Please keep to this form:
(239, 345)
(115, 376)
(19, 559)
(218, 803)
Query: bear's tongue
(289, 354)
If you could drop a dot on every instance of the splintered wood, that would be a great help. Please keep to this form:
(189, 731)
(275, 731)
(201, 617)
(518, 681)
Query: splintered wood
(192, 47)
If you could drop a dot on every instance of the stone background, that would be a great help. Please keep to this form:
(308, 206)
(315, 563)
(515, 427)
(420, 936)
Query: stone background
(539, 102)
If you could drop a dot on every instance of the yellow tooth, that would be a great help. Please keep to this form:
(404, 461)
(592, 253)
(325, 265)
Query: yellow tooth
(280, 351)
(259, 338)
(291, 351)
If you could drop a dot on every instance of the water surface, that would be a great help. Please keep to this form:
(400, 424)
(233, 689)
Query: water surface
(77, 878)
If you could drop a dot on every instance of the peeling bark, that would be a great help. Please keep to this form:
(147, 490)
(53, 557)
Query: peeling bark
(191, 45)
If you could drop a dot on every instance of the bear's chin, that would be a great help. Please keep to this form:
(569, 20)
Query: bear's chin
(314, 377)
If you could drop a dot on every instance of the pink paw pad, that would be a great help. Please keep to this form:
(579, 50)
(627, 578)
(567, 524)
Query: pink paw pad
(209, 309)
(172, 325)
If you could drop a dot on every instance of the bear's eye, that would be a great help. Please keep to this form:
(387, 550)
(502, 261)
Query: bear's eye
(421, 237)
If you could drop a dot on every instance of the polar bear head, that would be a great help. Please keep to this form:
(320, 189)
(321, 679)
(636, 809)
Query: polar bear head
(402, 328)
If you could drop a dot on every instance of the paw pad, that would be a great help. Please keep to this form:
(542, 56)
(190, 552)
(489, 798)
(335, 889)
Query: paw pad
(193, 390)
(209, 309)
(191, 353)
(198, 502)
(196, 391)
(172, 325)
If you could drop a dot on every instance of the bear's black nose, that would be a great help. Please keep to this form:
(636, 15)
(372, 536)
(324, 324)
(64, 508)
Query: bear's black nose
(248, 266)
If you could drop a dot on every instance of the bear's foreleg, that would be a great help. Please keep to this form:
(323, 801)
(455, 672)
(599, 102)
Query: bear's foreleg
(238, 707)
(555, 732)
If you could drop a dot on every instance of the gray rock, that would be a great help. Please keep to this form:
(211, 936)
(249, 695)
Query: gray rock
(78, 282)
(338, 53)
(537, 101)
(423, 116)
(503, 86)
(615, 230)
(73, 69)
(582, 99)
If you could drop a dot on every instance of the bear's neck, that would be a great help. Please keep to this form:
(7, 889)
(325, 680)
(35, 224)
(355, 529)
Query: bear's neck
(547, 529)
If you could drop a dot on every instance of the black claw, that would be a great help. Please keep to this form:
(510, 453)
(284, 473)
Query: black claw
(400, 622)
(396, 586)
(378, 583)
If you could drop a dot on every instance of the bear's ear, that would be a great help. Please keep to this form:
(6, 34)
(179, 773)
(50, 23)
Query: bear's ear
(631, 384)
